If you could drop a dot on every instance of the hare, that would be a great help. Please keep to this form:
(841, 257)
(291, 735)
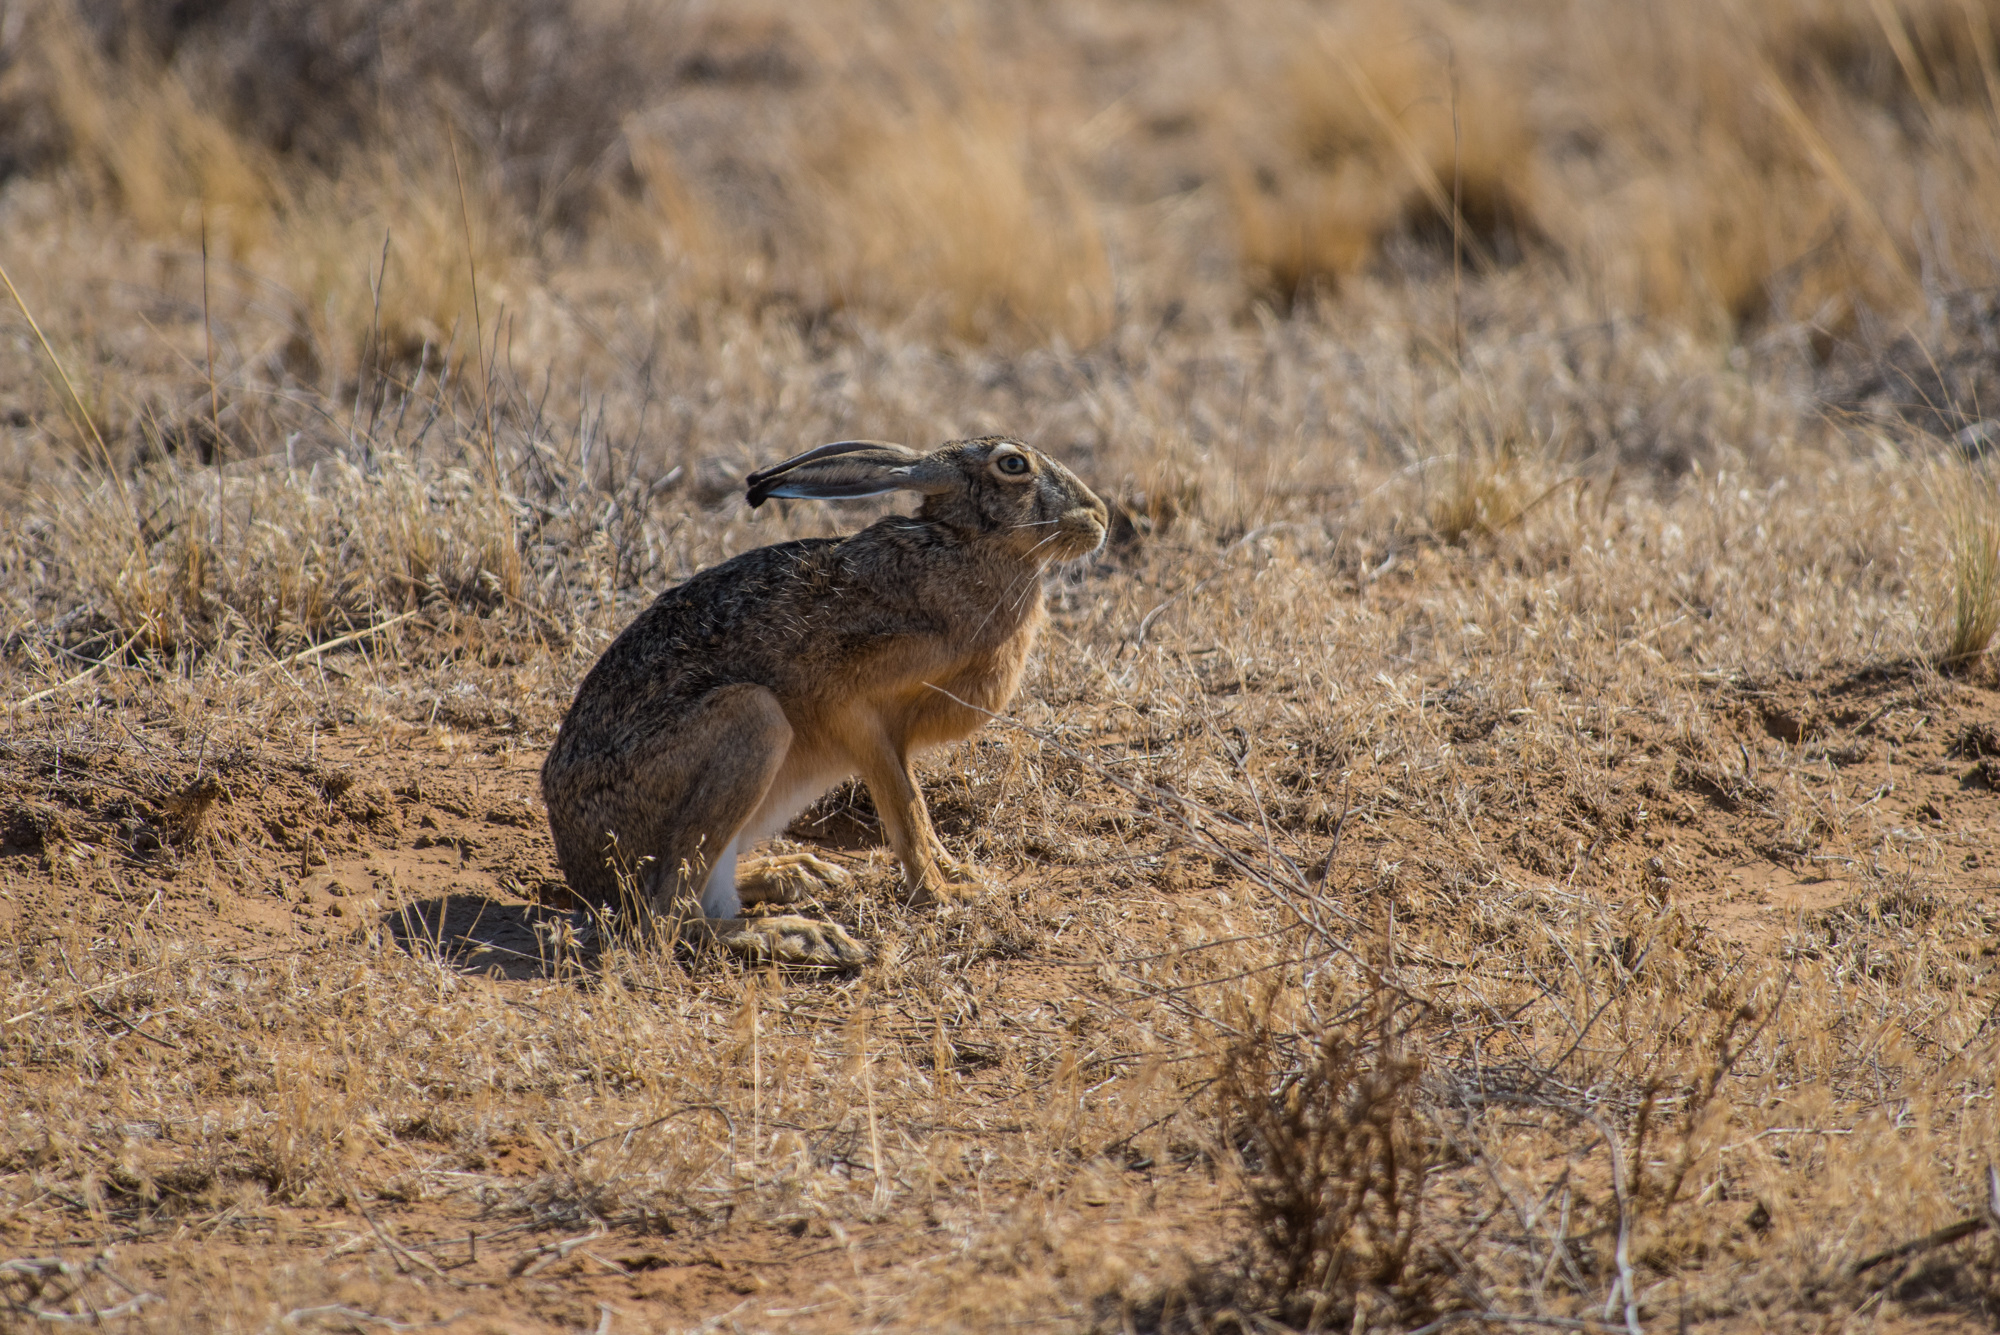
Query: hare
(740, 696)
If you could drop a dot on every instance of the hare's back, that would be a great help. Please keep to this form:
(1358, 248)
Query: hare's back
(722, 626)
(725, 609)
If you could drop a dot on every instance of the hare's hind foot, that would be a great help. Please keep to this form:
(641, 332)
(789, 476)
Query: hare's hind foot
(784, 939)
(786, 878)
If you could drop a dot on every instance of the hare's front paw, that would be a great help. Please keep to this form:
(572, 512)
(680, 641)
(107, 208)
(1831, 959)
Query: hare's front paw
(951, 882)
(790, 939)
(787, 878)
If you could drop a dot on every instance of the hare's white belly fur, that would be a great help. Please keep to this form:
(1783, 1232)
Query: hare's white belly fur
(790, 794)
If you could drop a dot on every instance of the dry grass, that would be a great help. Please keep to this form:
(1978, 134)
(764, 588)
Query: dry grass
(1970, 511)
(1334, 1141)
(1494, 838)
(1387, 127)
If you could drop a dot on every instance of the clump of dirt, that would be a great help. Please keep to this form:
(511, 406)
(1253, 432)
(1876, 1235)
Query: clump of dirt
(153, 807)
(250, 834)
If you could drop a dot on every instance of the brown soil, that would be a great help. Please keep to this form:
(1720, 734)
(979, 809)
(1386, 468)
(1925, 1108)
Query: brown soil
(426, 837)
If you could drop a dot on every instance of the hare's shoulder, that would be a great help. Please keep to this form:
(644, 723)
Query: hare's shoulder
(707, 630)
(889, 562)
(726, 593)
(761, 569)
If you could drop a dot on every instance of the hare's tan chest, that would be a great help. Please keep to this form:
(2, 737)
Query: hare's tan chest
(957, 702)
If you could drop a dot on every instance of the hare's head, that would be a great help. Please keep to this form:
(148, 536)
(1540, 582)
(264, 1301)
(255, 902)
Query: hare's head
(992, 490)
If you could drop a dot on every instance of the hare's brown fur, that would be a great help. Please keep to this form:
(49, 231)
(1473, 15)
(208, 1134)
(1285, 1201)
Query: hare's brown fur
(740, 696)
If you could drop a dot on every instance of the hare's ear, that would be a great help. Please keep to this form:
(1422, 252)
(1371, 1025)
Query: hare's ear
(846, 469)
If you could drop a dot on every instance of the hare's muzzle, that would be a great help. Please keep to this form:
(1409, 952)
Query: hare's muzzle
(1082, 528)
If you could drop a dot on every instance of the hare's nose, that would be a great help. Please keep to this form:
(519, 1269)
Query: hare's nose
(1086, 517)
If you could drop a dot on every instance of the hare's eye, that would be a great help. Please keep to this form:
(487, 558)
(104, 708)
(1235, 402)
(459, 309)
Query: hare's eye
(1012, 463)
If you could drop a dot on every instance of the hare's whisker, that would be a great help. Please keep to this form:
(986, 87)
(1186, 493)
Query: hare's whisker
(1028, 587)
(1028, 590)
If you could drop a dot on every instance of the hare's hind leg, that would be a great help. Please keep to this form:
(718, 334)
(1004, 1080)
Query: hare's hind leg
(687, 805)
(783, 939)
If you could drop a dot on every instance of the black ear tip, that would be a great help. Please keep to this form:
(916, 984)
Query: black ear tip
(758, 484)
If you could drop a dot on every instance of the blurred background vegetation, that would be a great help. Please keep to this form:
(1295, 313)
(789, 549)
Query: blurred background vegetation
(999, 173)
(600, 256)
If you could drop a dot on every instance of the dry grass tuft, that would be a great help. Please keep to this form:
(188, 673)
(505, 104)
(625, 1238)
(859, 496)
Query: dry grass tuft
(1970, 510)
(1387, 130)
(960, 208)
(209, 569)
(1489, 486)
(148, 147)
(1336, 1153)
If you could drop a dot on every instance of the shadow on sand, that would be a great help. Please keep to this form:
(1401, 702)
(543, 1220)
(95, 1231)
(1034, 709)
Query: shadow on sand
(480, 935)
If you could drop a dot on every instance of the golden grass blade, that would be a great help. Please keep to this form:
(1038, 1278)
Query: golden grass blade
(84, 675)
(344, 640)
(478, 322)
(103, 450)
(1772, 85)
(1412, 154)
(1898, 34)
(1968, 508)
